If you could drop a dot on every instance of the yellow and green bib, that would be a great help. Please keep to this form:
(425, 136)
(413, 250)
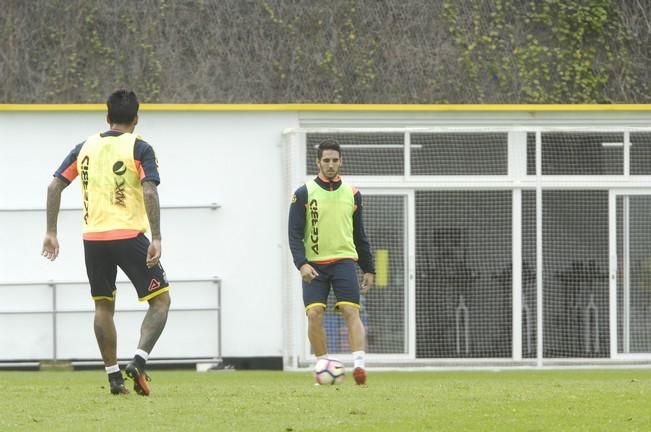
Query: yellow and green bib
(329, 223)
(113, 204)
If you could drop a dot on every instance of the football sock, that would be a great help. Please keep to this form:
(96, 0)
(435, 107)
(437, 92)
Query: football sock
(140, 359)
(359, 359)
(112, 369)
(322, 356)
(143, 354)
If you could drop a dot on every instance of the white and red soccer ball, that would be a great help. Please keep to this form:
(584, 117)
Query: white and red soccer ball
(329, 371)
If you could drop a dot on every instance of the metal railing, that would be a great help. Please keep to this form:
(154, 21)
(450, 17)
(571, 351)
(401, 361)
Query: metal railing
(56, 312)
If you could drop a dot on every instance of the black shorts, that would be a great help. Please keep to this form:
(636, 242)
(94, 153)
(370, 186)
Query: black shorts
(103, 259)
(341, 276)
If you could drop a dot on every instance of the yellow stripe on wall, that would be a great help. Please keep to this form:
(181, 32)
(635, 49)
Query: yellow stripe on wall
(343, 107)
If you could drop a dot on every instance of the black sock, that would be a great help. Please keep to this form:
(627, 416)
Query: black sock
(140, 362)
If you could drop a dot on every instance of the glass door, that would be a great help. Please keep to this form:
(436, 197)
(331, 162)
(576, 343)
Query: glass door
(633, 272)
(385, 310)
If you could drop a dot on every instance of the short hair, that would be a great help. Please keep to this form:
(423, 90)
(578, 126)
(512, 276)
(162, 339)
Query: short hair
(122, 107)
(328, 144)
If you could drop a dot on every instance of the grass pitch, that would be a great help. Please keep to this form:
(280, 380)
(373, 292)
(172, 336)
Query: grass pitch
(584, 400)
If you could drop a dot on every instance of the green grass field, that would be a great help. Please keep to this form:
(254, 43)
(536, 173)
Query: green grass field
(576, 400)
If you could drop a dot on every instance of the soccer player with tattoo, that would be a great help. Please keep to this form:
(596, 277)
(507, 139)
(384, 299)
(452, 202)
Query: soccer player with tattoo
(119, 180)
(326, 238)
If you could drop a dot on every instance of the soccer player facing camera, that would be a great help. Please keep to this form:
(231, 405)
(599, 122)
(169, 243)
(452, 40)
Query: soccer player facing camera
(119, 179)
(326, 238)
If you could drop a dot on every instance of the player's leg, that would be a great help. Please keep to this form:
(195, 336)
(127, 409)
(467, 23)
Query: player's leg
(105, 332)
(315, 298)
(346, 288)
(356, 331)
(106, 336)
(154, 322)
(356, 338)
(152, 286)
(101, 276)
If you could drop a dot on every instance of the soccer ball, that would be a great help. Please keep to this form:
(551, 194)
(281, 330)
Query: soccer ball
(329, 371)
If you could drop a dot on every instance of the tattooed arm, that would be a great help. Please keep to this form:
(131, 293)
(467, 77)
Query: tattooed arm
(50, 242)
(152, 205)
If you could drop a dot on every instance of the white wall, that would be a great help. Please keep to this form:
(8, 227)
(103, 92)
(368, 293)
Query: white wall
(231, 158)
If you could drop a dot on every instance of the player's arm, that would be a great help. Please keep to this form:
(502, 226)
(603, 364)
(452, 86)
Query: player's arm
(362, 245)
(296, 233)
(50, 242)
(63, 176)
(147, 165)
(152, 206)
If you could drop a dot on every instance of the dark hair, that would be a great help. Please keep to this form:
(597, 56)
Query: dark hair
(122, 107)
(328, 144)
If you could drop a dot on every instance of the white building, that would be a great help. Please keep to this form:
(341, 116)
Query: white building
(452, 198)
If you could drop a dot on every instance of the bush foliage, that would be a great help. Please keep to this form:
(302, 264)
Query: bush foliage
(339, 51)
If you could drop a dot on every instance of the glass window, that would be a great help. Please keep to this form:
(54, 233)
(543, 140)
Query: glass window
(362, 153)
(640, 153)
(580, 153)
(459, 154)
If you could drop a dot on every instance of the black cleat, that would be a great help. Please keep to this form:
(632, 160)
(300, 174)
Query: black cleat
(140, 379)
(117, 386)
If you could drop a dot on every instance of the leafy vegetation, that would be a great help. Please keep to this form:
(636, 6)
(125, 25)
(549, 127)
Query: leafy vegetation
(341, 51)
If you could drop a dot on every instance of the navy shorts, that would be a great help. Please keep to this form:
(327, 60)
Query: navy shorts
(341, 276)
(103, 259)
